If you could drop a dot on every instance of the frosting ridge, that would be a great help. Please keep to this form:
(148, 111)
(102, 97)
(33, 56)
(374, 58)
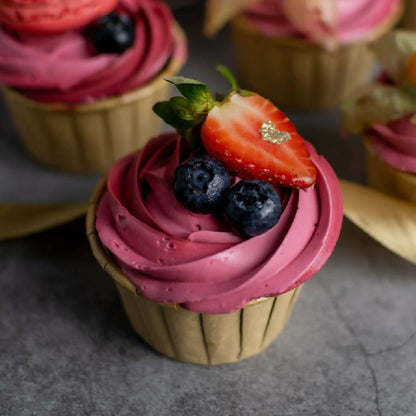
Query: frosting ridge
(395, 143)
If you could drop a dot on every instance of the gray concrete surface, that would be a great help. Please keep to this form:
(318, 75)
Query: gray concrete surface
(66, 347)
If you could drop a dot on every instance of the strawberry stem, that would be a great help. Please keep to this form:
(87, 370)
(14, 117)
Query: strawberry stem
(227, 74)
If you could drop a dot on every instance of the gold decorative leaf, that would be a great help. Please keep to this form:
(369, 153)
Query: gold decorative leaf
(18, 220)
(390, 221)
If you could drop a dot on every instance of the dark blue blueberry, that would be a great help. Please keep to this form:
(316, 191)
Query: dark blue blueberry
(201, 184)
(113, 33)
(253, 207)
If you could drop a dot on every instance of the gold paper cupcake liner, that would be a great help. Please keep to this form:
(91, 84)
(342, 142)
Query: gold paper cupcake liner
(387, 179)
(293, 73)
(89, 138)
(21, 220)
(188, 336)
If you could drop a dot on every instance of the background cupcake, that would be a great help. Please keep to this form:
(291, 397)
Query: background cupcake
(213, 278)
(80, 84)
(306, 54)
(384, 113)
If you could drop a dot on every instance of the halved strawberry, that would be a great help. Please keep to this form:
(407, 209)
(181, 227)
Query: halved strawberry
(246, 132)
(231, 133)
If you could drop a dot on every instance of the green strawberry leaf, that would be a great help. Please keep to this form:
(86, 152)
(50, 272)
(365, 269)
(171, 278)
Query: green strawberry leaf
(193, 90)
(227, 74)
(182, 108)
(187, 109)
(164, 110)
(182, 80)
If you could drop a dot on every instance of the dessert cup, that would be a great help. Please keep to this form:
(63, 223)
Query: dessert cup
(294, 73)
(189, 336)
(386, 178)
(88, 138)
(198, 301)
(209, 257)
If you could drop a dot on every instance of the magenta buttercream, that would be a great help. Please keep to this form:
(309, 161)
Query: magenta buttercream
(356, 19)
(173, 255)
(395, 143)
(62, 67)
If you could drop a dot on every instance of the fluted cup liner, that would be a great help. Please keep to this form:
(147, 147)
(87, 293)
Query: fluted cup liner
(296, 74)
(89, 138)
(387, 179)
(188, 336)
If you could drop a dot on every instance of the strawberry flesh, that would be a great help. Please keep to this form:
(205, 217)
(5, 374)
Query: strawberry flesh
(231, 133)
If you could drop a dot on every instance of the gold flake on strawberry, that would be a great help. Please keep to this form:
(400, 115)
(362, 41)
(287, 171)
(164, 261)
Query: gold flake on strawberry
(246, 132)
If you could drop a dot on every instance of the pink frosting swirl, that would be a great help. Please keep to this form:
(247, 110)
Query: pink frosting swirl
(356, 19)
(395, 143)
(175, 256)
(61, 68)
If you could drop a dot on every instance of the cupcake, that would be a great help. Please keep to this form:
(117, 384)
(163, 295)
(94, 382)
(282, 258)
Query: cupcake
(384, 114)
(306, 55)
(80, 77)
(210, 234)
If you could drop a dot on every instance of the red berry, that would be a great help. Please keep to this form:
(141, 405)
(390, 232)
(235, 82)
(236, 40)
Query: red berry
(231, 133)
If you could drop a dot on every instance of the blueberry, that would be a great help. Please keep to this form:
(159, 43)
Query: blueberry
(253, 207)
(201, 184)
(113, 33)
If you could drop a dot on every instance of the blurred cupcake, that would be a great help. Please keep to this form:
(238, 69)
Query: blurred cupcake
(409, 15)
(227, 236)
(305, 54)
(80, 78)
(385, 114)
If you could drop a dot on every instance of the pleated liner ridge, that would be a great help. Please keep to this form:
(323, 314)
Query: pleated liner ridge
(385, 178)
(205, 338)
(89, 138)
(189, 336)
(295, 74)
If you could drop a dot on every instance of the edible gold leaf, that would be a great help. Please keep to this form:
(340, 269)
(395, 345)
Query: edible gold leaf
(271, 134)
